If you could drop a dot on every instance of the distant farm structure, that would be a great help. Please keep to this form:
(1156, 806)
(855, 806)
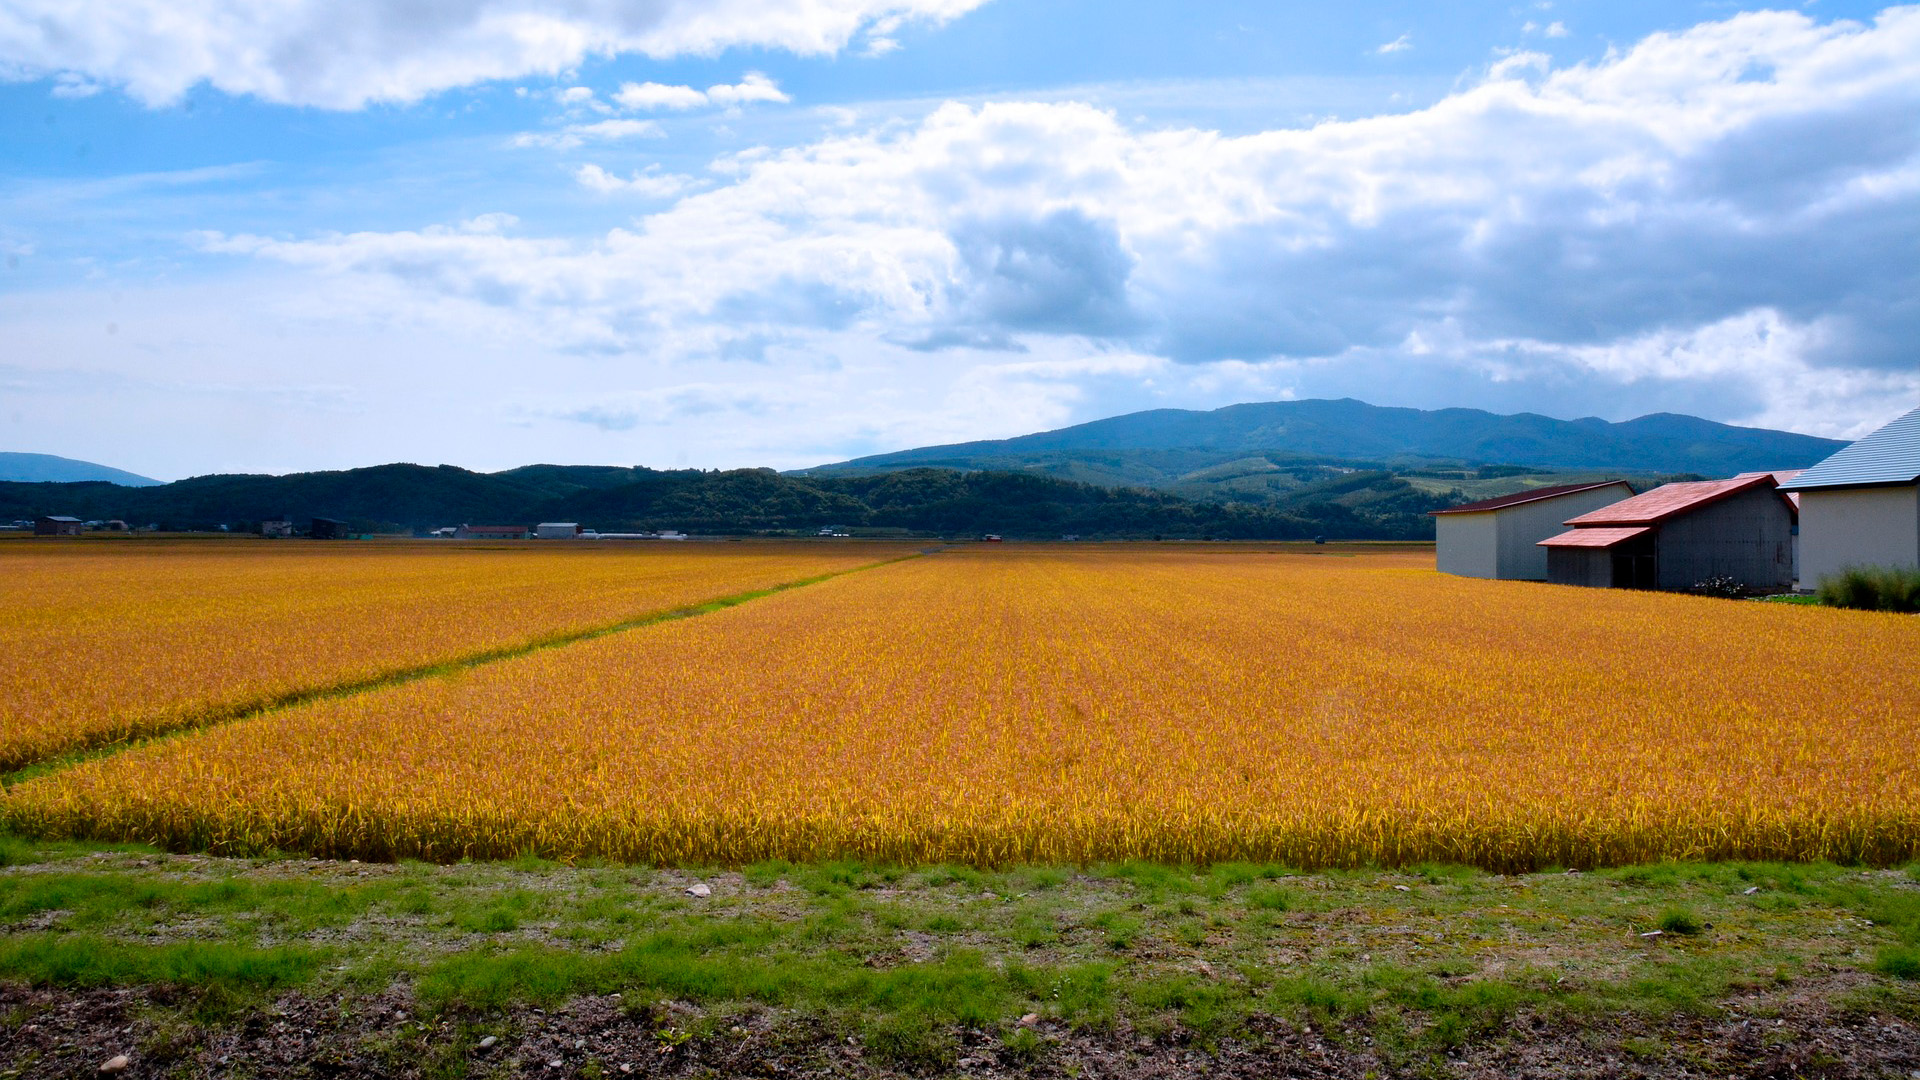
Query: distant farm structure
(491, 532)
(57, 525)
(1499, 537)
(1861, 507)
(328, 529)
(1679, 535)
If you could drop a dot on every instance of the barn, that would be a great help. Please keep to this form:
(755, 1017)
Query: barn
(1679, 535)
(328, 529)
(1499, 538)
(57, 525)
(491, 532)
(1861, 507)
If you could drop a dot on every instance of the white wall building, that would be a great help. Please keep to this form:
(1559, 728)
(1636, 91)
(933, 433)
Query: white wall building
(1861, 507)
(1499, 538)
(556, 530)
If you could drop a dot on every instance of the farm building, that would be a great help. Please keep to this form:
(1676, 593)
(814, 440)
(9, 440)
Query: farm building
(1678, 535)
(57, 525)
(556, 530)
(491, 532)
(328, 529)
(1499, 538)
(276, 527)
(1861, 507)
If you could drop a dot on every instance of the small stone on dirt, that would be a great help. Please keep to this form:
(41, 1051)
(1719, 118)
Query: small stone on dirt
(116, 1063)
(488, 1042)
(1402, 888)
(700, 889)
(1030, 1019)
(1751, 891)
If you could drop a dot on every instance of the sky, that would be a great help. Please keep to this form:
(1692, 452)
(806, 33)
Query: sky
(314, 234)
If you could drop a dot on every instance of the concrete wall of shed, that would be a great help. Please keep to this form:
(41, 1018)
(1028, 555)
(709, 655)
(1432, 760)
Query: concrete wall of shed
(1523, 527)
(1748, 537)
(1842, 527)
(1467, 544)
(1592, 567)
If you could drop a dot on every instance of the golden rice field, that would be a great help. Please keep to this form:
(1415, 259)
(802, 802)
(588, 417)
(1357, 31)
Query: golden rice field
(1002, 705)
(109, 640)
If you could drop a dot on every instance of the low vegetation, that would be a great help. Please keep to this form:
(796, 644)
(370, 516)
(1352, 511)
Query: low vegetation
(849, 967)
(1872, 588)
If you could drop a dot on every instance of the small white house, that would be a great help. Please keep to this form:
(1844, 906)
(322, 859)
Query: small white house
(556, 530)
(1861, 507)
(1500, 537)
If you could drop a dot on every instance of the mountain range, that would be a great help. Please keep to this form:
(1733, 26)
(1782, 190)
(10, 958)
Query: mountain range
(46, 468)
(1269, 470)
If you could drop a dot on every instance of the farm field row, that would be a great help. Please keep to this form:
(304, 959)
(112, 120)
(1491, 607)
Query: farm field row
(1026, 705)
(109, 641)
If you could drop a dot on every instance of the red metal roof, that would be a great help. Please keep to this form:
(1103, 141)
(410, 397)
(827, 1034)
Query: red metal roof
(1594, 537)
(1519, 497)
(1671, 500)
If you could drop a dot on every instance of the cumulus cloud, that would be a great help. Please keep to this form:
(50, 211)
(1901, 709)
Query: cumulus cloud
(576, 135)
(649, 183)
(754, 87)
(342, 54)
(1727, 210)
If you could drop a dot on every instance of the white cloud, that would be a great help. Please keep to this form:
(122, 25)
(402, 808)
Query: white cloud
(653, 95)
(753, 87)
(343, 54)
(650, 183)
(575, 135)
(1556, 29)
(1399, 44)
(1628, 230)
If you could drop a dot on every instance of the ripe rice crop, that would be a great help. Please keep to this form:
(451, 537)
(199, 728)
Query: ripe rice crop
(105, 641)
(999, 706)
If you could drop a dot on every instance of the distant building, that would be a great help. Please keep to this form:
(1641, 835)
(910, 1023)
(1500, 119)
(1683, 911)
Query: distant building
(57, 525)
(556, 530)
(1861, 507)
(491, 532)
(116, 525)
(1678, 535)
(328, 529)
(276, 527)
(1500, 537)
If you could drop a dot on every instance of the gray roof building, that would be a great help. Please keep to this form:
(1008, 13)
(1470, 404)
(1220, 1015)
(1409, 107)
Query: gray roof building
(1861, 507)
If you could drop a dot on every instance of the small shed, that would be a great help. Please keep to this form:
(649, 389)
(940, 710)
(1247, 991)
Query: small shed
(491, 532)
(1500, 537)
(328, 529)
(1861, 507)
(57, 525)
(276, 527)
(556, 530)
(1678, 535)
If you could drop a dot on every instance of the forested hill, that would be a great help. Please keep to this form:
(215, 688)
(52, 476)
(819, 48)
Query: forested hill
(1164, 444)
(941, 502)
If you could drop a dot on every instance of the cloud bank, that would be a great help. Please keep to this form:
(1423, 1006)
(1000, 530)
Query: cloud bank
(344, 54)
(1723, 218)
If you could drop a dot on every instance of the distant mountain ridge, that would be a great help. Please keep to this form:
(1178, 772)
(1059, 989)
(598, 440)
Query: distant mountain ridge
(50, 469)
(1350, 430)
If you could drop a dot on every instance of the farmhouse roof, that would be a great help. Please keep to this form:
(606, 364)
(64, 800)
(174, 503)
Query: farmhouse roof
(59, 517)
(1595, 537)
(1671, 500)
(1520, 497)
(1888, 456)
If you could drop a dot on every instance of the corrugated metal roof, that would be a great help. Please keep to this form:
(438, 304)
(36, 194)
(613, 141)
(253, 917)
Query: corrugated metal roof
(1521, 497)
(1594, 537)
(1670, 500)
(1888, 456)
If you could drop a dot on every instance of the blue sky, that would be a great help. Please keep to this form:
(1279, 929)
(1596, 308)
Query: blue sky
(742, 232)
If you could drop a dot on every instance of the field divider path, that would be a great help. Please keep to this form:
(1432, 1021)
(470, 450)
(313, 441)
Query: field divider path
(248, 710)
